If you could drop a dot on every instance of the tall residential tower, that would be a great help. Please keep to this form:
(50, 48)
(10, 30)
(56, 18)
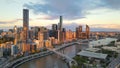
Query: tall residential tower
(26, 24)
(60, 30)
(25, 34)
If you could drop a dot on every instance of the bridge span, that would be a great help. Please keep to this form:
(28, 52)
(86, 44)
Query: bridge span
(24, 59)
(67, 58)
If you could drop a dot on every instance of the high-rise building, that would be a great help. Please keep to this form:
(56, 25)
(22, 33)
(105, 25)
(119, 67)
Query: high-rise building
(87, 31)
(45, 32)
(25, 45)
(26, 18)
(15, 35)
(54, 27)
(60, 24)
(78, 32)
(63, 34)
(40, 36)
(35, 31)
(14, 50)
(82, 35)
(26, 24)
(60, 30)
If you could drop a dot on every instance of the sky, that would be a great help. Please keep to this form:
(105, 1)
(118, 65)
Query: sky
(100, 15)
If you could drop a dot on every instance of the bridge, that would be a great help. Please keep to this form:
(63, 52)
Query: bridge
(17, 62)
(69, 60)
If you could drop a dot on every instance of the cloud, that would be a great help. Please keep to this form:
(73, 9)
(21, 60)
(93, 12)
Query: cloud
(112, 4)
(12, 21)
(46, 17)
(70, 9)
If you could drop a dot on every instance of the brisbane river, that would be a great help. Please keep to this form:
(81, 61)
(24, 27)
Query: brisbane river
(54, 61)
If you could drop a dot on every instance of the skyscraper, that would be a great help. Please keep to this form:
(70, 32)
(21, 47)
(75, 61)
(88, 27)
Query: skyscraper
(15, 34)
(25, 18)
(87, 31)
(60, 24)
(60, 30)
(25, 24)
(82, 35)
(54, 27)
(25, 45)
(78, 31)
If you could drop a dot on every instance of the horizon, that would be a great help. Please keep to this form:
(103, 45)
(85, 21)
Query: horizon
(100, 15)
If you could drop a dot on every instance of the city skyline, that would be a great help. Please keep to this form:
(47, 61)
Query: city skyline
(99, 15)
(60, 34)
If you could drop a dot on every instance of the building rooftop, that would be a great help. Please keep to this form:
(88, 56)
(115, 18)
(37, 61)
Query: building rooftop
(92, 49)
(92, 54)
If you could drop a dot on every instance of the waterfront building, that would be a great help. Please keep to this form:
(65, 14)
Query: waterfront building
(15, 35)
(82, 35)
(78, 31)
(25, 38)
(48, 44)
(40, 42)
(25, 24)
(14, 50)
(53, 40)
(69, 35)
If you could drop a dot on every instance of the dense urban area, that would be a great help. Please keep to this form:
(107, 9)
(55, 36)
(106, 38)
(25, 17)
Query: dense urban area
(93, 49)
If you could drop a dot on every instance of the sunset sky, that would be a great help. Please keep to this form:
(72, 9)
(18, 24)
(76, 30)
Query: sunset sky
(100, 15)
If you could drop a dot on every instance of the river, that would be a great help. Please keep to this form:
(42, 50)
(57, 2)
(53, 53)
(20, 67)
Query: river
(54, 61)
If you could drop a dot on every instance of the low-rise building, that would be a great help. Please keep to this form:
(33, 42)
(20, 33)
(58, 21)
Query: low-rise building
(93, 55)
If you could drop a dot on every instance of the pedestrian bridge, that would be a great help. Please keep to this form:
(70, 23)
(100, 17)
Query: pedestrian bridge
(68, 59)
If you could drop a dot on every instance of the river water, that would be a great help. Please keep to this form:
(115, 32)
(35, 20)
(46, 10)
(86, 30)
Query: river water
(54, 61)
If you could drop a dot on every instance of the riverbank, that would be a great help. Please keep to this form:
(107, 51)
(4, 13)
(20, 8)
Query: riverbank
(22, 60)
(53, 61)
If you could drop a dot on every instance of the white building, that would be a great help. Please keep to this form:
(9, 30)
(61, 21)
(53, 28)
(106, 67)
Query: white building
(117, 44)
(39, 44)
(93, 55)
